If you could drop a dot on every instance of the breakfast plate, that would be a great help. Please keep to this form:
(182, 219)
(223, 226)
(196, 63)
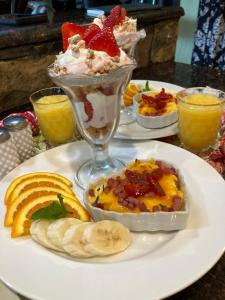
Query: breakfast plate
(134, 131)
(155, 266)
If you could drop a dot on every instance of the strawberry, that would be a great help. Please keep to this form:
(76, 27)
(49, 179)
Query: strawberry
(115, 10)
(123, 14)
(117, 16)
(105, 41)
(69, 29)
(90, 32)
(111, 21)
(88, 110)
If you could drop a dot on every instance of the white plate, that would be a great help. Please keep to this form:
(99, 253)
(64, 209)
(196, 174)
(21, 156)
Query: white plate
(134, 131)
(155, 266)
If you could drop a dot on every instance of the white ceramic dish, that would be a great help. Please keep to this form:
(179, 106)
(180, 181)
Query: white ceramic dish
(154, 122)
(40, 274)
(157, 121)
(136, 132)
(144, 221)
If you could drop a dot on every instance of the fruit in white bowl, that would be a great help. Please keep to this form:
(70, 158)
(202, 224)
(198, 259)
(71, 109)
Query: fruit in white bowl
(156, 109)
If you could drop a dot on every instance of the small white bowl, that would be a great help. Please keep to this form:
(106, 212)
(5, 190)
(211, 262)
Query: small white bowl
(154, 122)
(144, 221)
(137, 97)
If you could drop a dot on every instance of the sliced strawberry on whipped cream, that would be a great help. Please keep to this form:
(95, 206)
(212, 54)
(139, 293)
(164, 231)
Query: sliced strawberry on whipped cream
(116, 17)
(90, 32)
(69, 29)
(105, 41)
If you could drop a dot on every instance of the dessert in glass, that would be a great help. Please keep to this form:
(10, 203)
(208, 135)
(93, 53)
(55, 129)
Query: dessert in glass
(127, 37)
(92, 73)
(200, 110)
(55, 115)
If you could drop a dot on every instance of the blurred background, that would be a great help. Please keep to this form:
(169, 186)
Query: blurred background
(22, 5)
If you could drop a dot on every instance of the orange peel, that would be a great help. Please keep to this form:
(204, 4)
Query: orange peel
(22, 219)
(29, 195)
(130, 91)
(39, 181)
(34, 175)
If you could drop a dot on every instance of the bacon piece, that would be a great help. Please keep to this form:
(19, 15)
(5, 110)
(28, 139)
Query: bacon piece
(155, 208)
(91, 192)
(177, 203)
(143, 207)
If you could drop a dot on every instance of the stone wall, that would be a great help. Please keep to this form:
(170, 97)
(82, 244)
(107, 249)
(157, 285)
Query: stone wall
(21, 77)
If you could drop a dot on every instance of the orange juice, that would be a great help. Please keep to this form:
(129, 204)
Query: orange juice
(56, 119)
(199, 120)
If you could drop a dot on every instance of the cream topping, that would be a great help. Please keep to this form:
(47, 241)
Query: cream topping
(104, 109)
(79, 60)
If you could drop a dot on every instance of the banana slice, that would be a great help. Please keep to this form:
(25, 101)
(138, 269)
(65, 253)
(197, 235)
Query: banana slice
(57, 230)
(38, 232)
(106, 238)
(72, 241)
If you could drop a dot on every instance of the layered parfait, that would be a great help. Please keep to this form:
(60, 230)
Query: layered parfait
(93, 56)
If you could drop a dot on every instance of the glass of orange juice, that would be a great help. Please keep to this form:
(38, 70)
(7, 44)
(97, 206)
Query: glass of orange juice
(55, 115)
(200, 111)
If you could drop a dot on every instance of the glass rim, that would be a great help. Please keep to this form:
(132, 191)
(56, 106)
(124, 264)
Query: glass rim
(97, 78)
(220, 100)
(34, 101)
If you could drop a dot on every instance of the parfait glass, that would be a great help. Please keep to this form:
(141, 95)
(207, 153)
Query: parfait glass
(96, 101)
(127, 115)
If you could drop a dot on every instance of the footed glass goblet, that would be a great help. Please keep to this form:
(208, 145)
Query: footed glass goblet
(96, 101)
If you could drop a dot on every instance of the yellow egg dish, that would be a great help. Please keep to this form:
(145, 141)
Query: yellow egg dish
(144, 186)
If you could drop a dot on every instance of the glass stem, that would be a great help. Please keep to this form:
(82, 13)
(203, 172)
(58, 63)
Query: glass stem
(101, 156)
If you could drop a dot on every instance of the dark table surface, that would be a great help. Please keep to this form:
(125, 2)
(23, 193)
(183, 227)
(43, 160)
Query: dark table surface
(212, 285)
(183, 75)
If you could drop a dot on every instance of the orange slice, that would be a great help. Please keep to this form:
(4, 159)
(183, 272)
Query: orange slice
(127, 100)
(30, 194)
(22, 220)
(35, 175)
(37, 181)
(131, 90)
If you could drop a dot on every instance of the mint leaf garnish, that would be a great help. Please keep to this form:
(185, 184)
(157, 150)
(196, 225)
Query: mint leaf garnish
(53, 211)
(147, 87)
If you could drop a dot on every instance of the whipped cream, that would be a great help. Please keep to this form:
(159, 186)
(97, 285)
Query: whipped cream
(104, 110)
(79, 60)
